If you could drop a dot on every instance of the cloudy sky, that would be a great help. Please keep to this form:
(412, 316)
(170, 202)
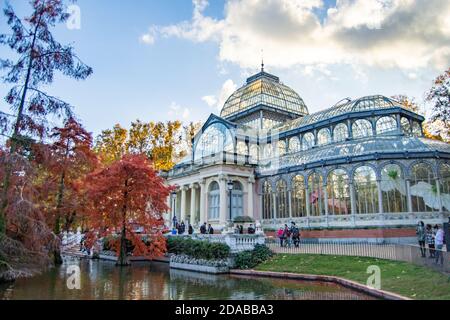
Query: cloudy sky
(161, 60)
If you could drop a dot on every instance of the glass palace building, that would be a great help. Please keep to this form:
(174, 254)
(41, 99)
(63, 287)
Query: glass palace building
(360, 169)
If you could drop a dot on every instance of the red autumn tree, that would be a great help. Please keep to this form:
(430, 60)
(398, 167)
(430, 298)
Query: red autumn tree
(126, 194)
(64, 163)
(71, 158)
(25, 248)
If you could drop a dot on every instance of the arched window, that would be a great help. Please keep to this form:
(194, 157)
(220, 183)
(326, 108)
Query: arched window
(362, 128)
(416, 129)
(267, 201)
(282, 199)
(237, 200)
(294, 145)
(241, 148)
(338, 193)
(393, 189)
(406, 126)
(213, 201)
(424, 196)
(340, 132)
(445, 186)
(281, 148)
(308, 141)
(298, 197)
(386, 125)
(215, 139)
(323, 137)
(366, 191)
(254, 152)
(315, 189)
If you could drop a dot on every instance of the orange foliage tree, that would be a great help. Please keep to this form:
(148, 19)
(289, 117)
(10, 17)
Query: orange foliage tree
(126, 194)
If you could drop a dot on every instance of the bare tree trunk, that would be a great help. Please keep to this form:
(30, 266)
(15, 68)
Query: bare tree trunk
(123, 258)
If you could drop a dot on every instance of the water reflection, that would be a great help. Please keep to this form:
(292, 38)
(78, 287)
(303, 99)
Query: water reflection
(155, 281)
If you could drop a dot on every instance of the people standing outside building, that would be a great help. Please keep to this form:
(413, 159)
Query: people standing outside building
(190, 229)
(210, 229)
(439, 243)
(181, 228)
(430, 240)
(251, 229)
(203, 228)
(280, 235)
(174, 222)
(287, 235)
(295, 234)
(421, 234)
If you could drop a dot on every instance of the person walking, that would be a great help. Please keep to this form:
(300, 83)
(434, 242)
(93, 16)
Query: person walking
(439, 243)
(420, 232)
(430, 240)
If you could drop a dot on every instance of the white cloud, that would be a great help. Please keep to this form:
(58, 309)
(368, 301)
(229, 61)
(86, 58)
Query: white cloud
(406, 34)
(177, 111)
(218, 101)
(210, 100)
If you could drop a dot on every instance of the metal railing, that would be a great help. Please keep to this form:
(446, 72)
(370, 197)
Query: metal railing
(407, 253)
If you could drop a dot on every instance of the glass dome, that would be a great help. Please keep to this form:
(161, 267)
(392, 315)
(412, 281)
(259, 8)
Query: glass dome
(264, 89)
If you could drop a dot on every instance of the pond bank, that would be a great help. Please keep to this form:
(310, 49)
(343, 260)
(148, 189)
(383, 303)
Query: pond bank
(401, 278)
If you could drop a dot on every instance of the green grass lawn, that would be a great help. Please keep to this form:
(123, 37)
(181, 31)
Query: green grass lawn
(398, 277)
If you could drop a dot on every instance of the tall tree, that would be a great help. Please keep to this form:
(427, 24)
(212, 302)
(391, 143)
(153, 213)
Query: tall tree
(111, 145)
(71, 159)
(39, 56)
(407, 102)
(439, 95)
(188, 134)
(24, 248)
(126, 194)
(158, 141)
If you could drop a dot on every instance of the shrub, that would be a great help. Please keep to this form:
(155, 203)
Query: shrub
(197, 249)
(243, 219)
(250, 259)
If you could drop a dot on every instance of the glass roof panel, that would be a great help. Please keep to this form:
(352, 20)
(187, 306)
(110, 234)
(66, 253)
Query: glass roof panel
(362, 104)
(266, 89)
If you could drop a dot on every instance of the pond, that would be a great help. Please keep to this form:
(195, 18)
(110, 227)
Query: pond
(156, 281)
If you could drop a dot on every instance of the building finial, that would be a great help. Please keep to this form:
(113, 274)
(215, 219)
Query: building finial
(262, 60)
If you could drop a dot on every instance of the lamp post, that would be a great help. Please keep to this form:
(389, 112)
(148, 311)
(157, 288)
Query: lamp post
(174, 204)
(230, 189)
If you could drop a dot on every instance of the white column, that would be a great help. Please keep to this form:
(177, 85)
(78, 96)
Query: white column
(223, 199)
(274, 199)
(168, 215)
(438, 189)
(193, 203)
(408, 195)
(290, 203)
(308, 202)
(183, 204)
(325, 203)
(251, 181)
(203, 214)
(353, 202)
(380, 197)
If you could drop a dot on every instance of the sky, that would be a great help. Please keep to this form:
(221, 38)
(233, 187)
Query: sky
(181, 59)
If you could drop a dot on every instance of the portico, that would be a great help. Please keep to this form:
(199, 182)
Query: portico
(202, 195)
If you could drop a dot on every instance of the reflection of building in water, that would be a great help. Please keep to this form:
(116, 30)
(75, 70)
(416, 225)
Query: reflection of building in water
(360, 164)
